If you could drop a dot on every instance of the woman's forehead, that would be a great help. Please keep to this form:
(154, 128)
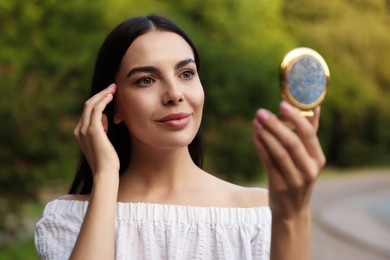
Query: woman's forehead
(156, 46)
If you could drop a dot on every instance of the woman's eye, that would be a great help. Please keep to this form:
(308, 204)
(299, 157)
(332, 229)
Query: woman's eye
(145, 81)
(188, 74)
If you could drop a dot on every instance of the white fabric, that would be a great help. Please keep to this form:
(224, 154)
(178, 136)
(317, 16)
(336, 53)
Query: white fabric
(159, 231)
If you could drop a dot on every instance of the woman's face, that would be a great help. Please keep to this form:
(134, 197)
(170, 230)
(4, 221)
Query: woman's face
(159, 95)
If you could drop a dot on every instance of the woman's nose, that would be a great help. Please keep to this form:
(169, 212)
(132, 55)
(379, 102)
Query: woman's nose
(173, 94)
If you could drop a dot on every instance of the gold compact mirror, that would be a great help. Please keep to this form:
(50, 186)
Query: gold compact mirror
(304, 78)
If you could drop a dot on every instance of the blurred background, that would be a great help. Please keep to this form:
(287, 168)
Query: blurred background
(47, 54)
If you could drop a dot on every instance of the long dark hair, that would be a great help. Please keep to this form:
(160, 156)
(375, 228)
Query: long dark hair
(107, 64)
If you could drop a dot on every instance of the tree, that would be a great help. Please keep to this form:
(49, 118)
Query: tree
(353, 36)
(45, 66)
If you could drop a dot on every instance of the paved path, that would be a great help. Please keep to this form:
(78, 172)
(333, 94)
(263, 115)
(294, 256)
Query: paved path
(351, 216)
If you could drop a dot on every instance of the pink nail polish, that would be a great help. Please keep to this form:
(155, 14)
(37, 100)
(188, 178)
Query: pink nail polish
(257, 125)
(263, 114)
(285, 106)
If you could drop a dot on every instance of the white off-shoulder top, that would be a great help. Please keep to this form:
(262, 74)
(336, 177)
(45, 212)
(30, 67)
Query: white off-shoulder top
(160, 231)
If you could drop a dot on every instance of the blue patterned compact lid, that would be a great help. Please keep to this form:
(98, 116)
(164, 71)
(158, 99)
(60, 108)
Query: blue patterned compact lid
(304, 78)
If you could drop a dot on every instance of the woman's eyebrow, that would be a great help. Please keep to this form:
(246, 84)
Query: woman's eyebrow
(184, 62)
(141, 69)
(151, 69)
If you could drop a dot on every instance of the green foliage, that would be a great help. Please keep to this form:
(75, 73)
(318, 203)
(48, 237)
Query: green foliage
(233, 155)
(353, 36)
(238, 76)
(45, 66)
(48, 50)
(22, 250)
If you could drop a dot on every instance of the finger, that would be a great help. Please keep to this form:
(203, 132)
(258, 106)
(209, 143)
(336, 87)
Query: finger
(90, 104)
(286, 144)
(306, 131)
(96, 139)
(316, 118)
(275, 178)
(281, 157)
(110, 89)
(97, 117)
(80, 131)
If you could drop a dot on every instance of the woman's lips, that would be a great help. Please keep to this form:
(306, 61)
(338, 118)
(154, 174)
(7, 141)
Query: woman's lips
(176, 120)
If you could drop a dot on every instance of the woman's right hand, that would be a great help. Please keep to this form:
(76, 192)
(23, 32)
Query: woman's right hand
(96, 239)
(91, 135)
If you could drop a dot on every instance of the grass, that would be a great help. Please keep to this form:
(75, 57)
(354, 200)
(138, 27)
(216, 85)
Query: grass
(23, 250)
(34, 209)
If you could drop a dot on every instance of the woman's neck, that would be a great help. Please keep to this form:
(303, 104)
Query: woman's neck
(153, 174)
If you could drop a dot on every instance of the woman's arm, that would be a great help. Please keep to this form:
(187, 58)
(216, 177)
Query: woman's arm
(293, 160)
(97, 233)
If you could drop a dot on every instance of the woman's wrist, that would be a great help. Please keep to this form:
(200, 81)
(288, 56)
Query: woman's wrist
(300, 219)
(292, 216)
(107, 183)
(291, 236)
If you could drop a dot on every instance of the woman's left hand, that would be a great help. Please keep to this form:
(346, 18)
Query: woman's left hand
(293, 159)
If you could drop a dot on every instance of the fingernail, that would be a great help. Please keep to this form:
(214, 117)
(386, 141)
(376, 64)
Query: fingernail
(263, 114)
(111, 86)
(257, 125)
(285, 106)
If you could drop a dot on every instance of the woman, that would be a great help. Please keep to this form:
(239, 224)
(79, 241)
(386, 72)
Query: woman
(140, 192)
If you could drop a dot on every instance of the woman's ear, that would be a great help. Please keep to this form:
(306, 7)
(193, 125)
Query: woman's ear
(105, 122)
(117, 118)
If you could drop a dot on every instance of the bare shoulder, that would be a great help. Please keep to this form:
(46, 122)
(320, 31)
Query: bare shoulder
(247, 197)
(239, 196)
(81, 197)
